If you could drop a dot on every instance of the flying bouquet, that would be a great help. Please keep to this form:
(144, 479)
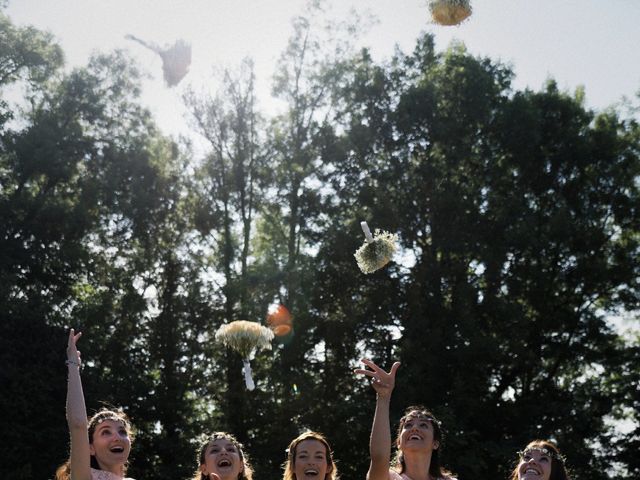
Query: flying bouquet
(175, 59)
(377, 249)
(244, 337)
(449, 12)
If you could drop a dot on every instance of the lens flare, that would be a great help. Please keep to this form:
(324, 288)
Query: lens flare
(281, 330)
(279, 320)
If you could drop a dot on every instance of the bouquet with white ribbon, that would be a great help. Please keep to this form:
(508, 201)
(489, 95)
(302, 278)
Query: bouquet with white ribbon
(245, 337)
(377, 249)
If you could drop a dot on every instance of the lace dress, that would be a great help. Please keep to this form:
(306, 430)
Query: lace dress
(104, 475)
(393, 475)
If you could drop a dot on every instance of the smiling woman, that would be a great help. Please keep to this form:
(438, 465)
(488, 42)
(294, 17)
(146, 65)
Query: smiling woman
(419, 438)
(540, 460)
(100, 446)
(309, 457)
(222, 457)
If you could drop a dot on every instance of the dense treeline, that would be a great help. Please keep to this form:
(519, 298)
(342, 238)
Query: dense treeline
(517, 214)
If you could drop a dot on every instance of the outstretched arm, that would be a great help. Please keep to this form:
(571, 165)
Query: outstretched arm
(380, 441)
(77, 414)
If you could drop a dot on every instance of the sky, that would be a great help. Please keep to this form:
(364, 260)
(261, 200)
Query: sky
(590, 43)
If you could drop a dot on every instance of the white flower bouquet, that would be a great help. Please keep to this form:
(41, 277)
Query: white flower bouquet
(245, 337)
(376, 251)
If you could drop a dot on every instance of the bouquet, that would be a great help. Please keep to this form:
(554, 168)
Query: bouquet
(449, 12)
(376, 251)
(245, 337)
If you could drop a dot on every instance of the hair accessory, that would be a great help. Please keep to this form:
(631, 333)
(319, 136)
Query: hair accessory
(421, 415)
(434, 420)
(113, 418)
(549, 453)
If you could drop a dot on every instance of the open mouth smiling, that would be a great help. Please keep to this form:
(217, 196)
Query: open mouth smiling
(311, 472)
(530, 470)
(116, 449)
(224, 463)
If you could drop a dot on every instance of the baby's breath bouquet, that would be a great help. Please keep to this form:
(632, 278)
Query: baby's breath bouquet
(244, 337)
(377, 249)
(449, 12)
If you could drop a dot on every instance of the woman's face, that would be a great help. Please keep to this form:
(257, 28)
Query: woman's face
(222, 457)
(111, 445)
(417, 434)
(310, 461)
(534, 465)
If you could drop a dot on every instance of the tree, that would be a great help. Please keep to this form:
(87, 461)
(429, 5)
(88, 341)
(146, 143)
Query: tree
(504, 200)
(86, 180)
(226, 198)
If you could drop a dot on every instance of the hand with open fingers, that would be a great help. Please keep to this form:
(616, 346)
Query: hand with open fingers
(381, 381)
(73, 355)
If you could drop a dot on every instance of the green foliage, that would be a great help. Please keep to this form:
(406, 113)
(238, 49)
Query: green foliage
(504, 201)
(26, 53)
(517, 222)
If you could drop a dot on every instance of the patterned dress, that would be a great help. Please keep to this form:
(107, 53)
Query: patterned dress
(393, 475)
(104, 475)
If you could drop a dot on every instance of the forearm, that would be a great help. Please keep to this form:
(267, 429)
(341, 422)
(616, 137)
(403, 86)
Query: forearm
(77, 420)
(76, 409)
(380, 441)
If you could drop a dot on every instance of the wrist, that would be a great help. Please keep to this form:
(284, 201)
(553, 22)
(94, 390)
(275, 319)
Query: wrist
(72, 362)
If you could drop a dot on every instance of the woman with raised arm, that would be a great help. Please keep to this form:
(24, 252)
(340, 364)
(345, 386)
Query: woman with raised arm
(418, 440)
(100, 445)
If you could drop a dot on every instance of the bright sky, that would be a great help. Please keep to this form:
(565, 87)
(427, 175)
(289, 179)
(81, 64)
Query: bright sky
(594, 43)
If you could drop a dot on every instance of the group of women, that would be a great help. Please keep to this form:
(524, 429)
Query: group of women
(100, 445)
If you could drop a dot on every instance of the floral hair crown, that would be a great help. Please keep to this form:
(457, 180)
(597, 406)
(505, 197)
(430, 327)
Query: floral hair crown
(549, 453)
(103, 416)
(418, 414)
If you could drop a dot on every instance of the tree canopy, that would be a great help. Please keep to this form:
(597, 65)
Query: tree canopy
(517, 214)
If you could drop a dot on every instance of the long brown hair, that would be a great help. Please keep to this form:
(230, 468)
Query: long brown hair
(63, 472)
(435, 468)
(558, 467)
(290, 464)
(247, 471)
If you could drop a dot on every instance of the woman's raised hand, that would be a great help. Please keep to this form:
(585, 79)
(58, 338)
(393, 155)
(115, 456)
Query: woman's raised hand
(381, 381)
(73, 355)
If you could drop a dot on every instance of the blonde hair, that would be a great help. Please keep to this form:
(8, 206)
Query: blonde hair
(290, 464)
